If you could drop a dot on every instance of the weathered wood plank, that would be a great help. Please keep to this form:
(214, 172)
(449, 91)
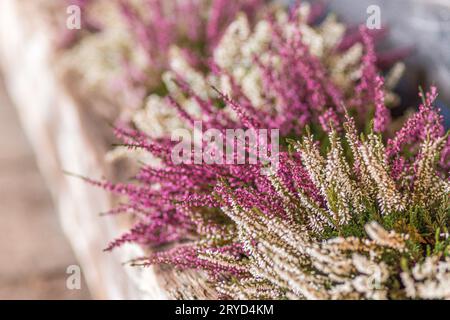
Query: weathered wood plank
(64, 137)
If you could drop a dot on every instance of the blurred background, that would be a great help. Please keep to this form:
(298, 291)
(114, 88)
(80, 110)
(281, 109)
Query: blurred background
(34, 253)
(423, 26)
(34, 248)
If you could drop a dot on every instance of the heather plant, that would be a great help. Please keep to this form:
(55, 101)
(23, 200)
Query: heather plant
(350, 212)
(330, 223)
(286, 71)
(124, 44)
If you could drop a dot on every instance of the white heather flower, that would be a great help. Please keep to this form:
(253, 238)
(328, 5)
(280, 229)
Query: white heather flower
(428, 280)
(180, 66)
(139, 155)
(157, 119)
(428, 186)
(384, 238)
(388, 196)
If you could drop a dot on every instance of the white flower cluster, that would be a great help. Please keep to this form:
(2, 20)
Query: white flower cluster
(292, 258)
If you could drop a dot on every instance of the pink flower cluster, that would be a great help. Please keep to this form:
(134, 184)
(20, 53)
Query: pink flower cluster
(196, 24)
(427, 123)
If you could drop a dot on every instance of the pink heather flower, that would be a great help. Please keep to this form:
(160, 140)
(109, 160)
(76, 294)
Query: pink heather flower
(427, 123)
(382, 115)
(370, 86)
(197, 23)
(196, 26)
(317, 10)
(329, 120)
(302, 85)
